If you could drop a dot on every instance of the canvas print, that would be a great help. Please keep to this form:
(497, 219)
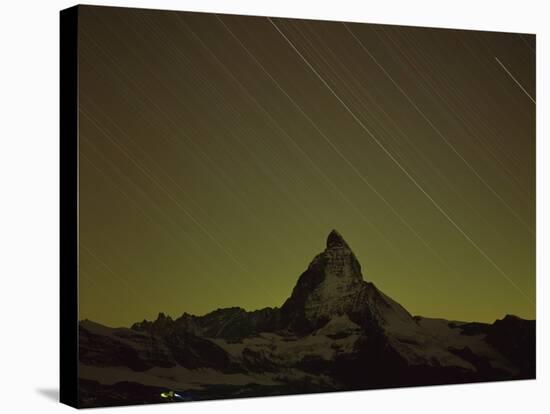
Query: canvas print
(272, 206)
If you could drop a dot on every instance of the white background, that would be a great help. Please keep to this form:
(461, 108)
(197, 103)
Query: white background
(29, 207)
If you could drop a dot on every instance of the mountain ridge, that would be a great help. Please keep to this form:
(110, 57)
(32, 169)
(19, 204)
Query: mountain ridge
(335, 331)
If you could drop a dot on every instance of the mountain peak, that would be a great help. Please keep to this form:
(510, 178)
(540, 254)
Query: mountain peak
(331, 286)
(335, 239)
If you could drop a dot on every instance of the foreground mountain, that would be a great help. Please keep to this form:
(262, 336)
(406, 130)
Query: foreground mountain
(335, 332)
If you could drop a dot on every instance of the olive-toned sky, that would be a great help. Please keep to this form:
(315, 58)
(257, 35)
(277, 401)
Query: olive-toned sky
(217, 152)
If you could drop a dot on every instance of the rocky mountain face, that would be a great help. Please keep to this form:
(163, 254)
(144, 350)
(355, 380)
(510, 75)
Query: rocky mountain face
(336, 331)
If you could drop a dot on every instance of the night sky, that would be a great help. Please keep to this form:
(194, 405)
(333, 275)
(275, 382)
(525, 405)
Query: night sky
(217, 152)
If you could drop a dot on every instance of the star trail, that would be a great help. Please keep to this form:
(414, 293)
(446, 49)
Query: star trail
(216, 153)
